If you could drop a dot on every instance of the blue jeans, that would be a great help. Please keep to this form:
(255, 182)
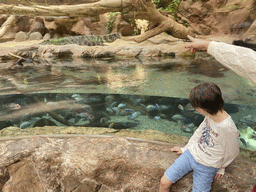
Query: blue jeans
(202, 175)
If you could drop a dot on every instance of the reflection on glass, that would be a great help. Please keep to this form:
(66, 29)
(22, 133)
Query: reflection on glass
(117, 79)
(118, 111)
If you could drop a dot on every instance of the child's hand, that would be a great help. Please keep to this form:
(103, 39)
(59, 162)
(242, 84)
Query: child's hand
(218, 176)
(176, 149)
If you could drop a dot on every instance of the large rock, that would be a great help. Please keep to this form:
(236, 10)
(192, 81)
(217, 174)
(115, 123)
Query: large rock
(216, 17)
(37, 25)
(21, 36)
(80, 29)
(100, 163)
(35, 36)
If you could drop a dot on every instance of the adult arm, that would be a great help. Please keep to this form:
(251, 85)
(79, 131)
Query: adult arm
(239, 59)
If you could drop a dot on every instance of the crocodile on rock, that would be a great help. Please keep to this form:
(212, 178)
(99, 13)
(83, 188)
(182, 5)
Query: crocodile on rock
(89, 40)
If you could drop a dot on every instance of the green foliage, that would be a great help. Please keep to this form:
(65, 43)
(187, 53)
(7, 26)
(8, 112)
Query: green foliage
(186, 24)
(111, 21)
(234, 7)
(133, 25)
(231, 7)
(156, 2)
(172, 7)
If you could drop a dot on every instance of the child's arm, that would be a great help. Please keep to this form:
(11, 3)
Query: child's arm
(177, 149)
(197, 134)
(230, 146)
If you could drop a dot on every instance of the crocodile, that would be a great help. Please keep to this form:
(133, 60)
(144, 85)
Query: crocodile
(89, 40)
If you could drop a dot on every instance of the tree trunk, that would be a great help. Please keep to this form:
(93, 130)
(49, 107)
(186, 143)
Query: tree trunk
(147, 10)
(144, 9)
(87, 10)
(7, 25)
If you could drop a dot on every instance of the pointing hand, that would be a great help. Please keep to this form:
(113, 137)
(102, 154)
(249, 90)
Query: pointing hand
(197, 44)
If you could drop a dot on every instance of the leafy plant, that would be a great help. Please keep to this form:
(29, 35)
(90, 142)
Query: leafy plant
(156, 2)
(172, 7)
(186, 24)
(111, 21)
(133, 25)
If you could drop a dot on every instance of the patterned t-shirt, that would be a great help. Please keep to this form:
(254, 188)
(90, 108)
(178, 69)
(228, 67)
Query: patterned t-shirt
(214, 144)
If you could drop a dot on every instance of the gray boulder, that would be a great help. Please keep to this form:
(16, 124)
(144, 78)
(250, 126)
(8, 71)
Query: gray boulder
(35, 36)
(21, 36)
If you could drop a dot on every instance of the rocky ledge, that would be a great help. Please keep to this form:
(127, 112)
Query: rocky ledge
(100, 163)
(158, 46)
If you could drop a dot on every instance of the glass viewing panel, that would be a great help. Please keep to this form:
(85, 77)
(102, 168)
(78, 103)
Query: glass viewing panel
(122, 94)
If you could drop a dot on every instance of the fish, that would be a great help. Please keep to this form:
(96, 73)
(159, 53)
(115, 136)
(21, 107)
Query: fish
(75, 95)
(110, 111)
(163, 107)
(144, 107)
(99, 78)
(111, 125)
(137, 101)
(157, 117)
(113, 104)
(185, 129)
(21, 102)
(121, 105)
(181, 107)
(50, 103)
(79, 98)
(109, 98)
(115, 109)
(187, 110)
(103, 120)
(178, 117)
(135, 115)
(25, 124)
(151, 107)
(12, 106)
(243, 141)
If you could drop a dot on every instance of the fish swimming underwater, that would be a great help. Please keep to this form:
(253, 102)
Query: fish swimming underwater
(12, 106)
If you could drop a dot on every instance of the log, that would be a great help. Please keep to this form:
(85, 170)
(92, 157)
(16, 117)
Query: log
(86, 10)
(147, 10)
(7, 25)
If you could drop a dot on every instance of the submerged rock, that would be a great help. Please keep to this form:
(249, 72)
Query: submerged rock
(44, 122)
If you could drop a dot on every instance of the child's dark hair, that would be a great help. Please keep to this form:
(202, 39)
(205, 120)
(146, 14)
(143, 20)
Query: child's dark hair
(207, 96)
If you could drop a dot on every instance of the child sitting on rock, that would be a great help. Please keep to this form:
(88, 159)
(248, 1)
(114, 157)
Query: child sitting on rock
(213, 146)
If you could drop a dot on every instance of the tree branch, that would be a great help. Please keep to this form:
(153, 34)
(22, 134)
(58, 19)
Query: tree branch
(89, 10)
(7, 25)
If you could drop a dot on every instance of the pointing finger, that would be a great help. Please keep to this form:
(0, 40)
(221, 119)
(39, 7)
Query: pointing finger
(191, 38)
